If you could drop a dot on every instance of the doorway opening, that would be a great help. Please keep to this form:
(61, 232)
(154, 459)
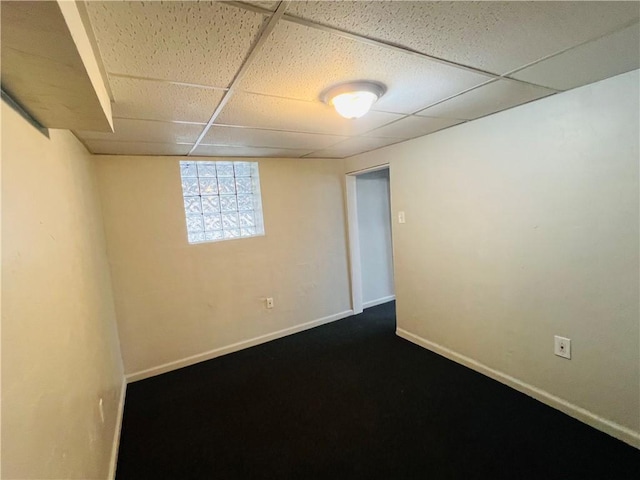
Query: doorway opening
(370, 237)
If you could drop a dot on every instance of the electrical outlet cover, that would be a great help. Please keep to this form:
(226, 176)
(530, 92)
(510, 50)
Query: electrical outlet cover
(562, 347)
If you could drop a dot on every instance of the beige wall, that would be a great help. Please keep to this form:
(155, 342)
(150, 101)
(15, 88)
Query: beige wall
(521, 226)
(175, 300)
(60, 351)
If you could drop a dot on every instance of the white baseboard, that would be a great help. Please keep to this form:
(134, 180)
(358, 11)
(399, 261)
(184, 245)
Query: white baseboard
(217, 352)
(614, 429)
(113, 462)
(379, 301)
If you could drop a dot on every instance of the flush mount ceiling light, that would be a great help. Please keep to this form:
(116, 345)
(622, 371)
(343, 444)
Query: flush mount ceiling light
(353, 99)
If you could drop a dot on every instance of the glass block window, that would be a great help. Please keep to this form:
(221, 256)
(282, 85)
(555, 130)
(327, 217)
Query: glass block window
(221, 200)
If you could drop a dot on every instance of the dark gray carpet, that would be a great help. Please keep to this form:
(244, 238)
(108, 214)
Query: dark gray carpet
(352, 400)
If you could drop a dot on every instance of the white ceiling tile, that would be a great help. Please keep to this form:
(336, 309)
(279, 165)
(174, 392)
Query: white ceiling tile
(135, 148)
(147, 131)
(228, 151)
(413, 126)
(275, 113)
(496, 96)
(197, 42)
(252, 137)
(145, 99)
(353, 146)
(314, 60)
(494, 36)
(608, 56)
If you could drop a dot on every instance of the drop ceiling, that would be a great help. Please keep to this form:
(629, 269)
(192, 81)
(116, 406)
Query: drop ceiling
(243, 78)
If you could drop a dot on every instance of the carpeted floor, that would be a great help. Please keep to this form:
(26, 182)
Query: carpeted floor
(352, 400)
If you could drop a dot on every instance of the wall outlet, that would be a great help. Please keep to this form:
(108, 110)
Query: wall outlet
(269, 302)
(562, 347)
(401, 218)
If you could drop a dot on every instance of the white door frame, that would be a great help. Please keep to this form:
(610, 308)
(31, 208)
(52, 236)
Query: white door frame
(354, 235)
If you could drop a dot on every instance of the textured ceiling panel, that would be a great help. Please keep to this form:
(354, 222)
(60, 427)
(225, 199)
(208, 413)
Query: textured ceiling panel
(487, 99)
(225, 151)
(611, 55)
(197, 42)
(493, 36)
(276, 111)
(135, 148)
(411, 127)
(147, 131)
(314, 60)
(295, 115)
(268, 138)
(135, 98)
(353, 146)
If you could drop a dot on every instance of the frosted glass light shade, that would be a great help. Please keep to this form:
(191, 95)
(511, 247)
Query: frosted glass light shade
(354, 104)
(354, 99)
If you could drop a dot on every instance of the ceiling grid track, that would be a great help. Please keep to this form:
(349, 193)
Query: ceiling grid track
(142, 119)
(264, 34)
(572, 47)
(406, 50)
(247, 102)
(363, 39)
(269, 129)
(403, 49)
(162, 80)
